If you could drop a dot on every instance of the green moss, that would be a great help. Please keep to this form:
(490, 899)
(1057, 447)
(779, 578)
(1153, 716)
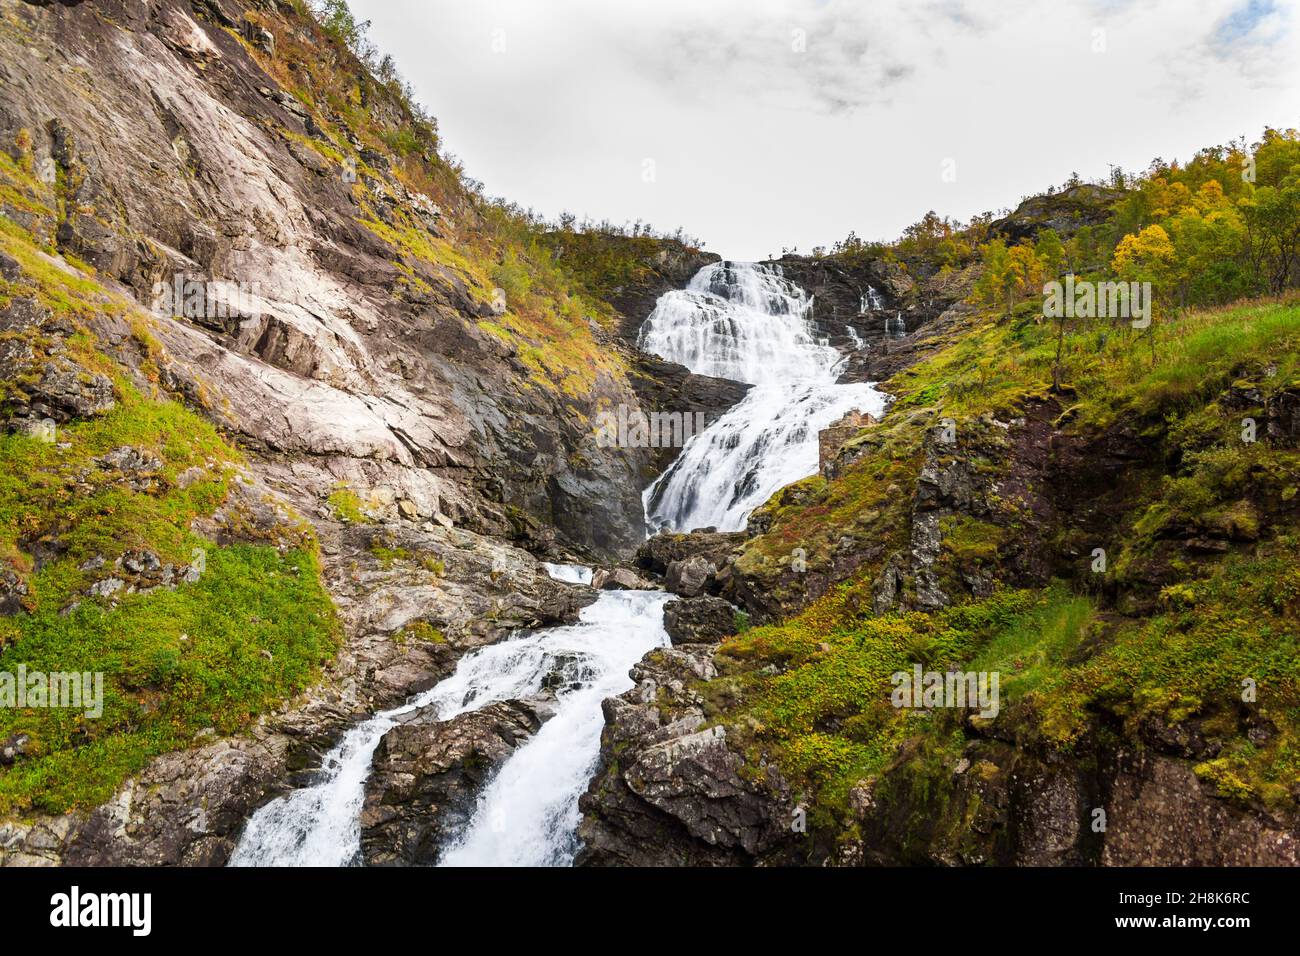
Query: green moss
(255, 628)
(970, 540)
(346, 505)
(813, 693)
(386, 554)
(420, 631)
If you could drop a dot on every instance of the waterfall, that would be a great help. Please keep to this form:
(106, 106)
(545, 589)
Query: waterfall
(896, 328)
(528, 814)
(735, 320)
(870, 302)
(739, 321)
(747, 322)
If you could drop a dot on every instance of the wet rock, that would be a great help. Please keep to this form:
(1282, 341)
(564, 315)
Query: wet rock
(690, 576)
(620, 579)
(668, 791)
(427, 774)
(701, 620)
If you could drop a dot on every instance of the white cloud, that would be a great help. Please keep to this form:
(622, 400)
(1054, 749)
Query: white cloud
(759, 143)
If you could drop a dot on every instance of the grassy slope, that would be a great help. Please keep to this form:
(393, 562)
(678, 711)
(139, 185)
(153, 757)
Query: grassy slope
(823, 713)
(252, 630)
(180, 661)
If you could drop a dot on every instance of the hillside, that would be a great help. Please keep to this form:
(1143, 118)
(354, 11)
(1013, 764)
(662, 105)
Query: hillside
(257, 329)
(296, 425)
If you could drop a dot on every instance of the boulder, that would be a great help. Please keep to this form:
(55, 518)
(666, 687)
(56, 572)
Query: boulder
(427, 774)
(690, 577)
(664, 548)
(620, 579)
(701, 620)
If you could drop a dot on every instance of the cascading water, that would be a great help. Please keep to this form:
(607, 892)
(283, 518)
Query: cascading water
(745, 321)
(528, 814)
(735, 320)
(871, 301)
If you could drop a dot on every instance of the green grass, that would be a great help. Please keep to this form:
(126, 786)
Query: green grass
(254, 629)
(997, 363)
(346, 505)
(1037, 644)
(826, 717)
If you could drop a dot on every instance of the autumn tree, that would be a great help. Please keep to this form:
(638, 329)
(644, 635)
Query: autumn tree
(1051, 251)
(1271, 218)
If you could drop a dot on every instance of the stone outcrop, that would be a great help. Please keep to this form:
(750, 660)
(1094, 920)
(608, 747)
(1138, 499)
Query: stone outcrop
(426, 776)
(689, 563)
(833, 437)
(700, 620)
(1065, 212)
(668, 791)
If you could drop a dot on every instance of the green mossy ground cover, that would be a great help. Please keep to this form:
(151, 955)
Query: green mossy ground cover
(252, 630)
(812, 692)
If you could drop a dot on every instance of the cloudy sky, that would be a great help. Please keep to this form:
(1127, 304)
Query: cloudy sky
(758, 124)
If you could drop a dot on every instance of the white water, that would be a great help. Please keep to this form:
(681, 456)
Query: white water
(746, 322)
(871, 301)
(528, 814)
(735, 320)
(568, 573)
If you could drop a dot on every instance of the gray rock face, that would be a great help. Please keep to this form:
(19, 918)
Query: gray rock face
(667, 791)
(427, 774)
(183, 167)
(701, 620)
(689, 577)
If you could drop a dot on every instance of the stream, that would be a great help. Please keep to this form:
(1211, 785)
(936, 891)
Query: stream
(735, 320)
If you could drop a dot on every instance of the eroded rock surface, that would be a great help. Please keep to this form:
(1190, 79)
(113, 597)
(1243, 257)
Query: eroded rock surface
(427, 774)
(668, 791)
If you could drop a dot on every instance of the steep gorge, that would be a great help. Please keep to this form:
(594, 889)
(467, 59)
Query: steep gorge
(304, 510)
(401, 390)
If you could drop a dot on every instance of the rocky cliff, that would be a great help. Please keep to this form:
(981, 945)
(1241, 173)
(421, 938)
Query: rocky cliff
(261, 327)
(1119, 551)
